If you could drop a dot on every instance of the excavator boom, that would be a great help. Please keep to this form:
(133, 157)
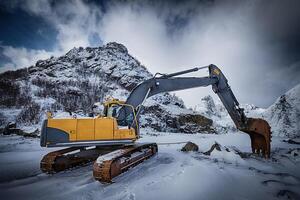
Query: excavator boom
(258, 129)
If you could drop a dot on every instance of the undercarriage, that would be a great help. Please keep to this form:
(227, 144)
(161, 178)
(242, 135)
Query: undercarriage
(110, 160)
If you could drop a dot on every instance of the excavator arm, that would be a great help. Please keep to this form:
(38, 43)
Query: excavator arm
(258, 129)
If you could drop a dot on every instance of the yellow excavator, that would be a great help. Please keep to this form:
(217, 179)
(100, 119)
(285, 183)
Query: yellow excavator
(110, 139)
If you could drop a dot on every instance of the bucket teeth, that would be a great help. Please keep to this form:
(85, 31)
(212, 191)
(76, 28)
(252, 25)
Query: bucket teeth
(260, 135)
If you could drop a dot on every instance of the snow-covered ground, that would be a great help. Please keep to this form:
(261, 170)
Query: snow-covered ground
(171, 174)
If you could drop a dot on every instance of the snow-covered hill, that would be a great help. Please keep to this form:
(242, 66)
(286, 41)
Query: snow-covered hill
(74, 82)
(283, 116)
(215, 110)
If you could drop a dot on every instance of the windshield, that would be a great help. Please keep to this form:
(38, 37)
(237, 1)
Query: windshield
(113, 111)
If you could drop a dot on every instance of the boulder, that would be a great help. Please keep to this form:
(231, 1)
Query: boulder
(11, 129)
(193, 123)
(195, 119)
(190, 146)
(213, 147)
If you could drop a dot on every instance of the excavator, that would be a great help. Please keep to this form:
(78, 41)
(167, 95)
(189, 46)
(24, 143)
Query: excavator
(110, 140)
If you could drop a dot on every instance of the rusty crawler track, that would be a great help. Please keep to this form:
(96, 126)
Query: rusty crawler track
(108, 166)
(71, 157)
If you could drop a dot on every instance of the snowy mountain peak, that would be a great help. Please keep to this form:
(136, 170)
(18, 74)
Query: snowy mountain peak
(117, 47)
(284, 114)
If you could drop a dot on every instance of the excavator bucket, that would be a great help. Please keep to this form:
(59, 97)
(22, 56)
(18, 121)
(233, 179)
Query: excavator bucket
(260, 134)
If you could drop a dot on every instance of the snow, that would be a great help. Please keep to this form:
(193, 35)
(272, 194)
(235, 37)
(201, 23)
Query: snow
(110, 156)
(217, 112)
(171, 174)
(284, 114)
(9, 115)
(19, 157)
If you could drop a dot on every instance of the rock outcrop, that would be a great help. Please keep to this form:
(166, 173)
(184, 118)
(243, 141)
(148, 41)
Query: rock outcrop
(190, 146)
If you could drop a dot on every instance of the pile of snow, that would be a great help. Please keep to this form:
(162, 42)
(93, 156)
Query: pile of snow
(110, 156)
(224, 154)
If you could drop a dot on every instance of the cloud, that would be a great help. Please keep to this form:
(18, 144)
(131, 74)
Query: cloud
(21, 57)
(224, 33)
(253, 42)
(76, 23)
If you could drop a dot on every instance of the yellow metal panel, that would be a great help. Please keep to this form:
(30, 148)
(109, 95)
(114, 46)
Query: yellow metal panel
(125, 133)
(85, 129)
(117, 136)
(104, 128)
(67, 125)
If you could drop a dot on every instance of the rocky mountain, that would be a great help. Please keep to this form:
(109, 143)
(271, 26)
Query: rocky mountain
(283, 116)
(73, 84)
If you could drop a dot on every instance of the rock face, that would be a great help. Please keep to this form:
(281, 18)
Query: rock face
(194, 123)
(74, 82)
(216, 146)
(176, 118)
(215, 110)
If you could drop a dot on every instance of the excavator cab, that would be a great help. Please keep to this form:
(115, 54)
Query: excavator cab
(112, 108)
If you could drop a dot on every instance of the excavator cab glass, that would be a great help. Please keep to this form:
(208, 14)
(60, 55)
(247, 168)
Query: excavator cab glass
(113, 111)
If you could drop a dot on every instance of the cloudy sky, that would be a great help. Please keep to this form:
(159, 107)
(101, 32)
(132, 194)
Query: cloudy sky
(255, 43)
